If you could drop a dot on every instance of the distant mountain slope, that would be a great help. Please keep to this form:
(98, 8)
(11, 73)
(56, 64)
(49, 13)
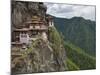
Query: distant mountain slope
(78, 59)
(79, 31)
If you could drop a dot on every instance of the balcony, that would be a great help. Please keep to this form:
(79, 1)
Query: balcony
(42, 27)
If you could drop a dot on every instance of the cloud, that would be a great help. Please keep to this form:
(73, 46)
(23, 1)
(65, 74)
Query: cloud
(69, 11)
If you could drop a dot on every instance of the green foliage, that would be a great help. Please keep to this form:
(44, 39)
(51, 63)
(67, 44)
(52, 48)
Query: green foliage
(54, 36)
(55, 39)
(56, 43)
(79, 31)
(76, 57)
(79, 57)
(71, 66)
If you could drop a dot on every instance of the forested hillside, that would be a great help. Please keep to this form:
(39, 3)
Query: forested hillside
(77, 59)
(79, 37)
(78, 31)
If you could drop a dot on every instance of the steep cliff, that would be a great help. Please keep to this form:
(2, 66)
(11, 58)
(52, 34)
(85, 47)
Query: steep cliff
(23, 11)
(40, 56)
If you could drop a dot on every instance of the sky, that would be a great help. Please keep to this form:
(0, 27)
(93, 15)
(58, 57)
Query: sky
(69, 11)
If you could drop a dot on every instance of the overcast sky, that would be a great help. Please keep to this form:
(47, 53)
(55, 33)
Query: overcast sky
(69, 11)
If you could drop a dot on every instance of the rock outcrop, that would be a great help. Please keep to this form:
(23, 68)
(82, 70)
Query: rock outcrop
(40, 56)
(23, 11)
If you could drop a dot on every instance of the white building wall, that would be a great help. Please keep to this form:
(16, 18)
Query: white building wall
(31, 27)
(51, 24)
(24, 38)
(44, 35)
(37, 27)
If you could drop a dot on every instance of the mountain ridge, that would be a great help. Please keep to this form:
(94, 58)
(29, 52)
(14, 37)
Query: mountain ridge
(79, 31)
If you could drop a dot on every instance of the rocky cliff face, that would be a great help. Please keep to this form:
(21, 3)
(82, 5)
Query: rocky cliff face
(23, 11)
(40, 56)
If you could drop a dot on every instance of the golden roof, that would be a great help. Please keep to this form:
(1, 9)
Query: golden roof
(35, 17)
(35, 22)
